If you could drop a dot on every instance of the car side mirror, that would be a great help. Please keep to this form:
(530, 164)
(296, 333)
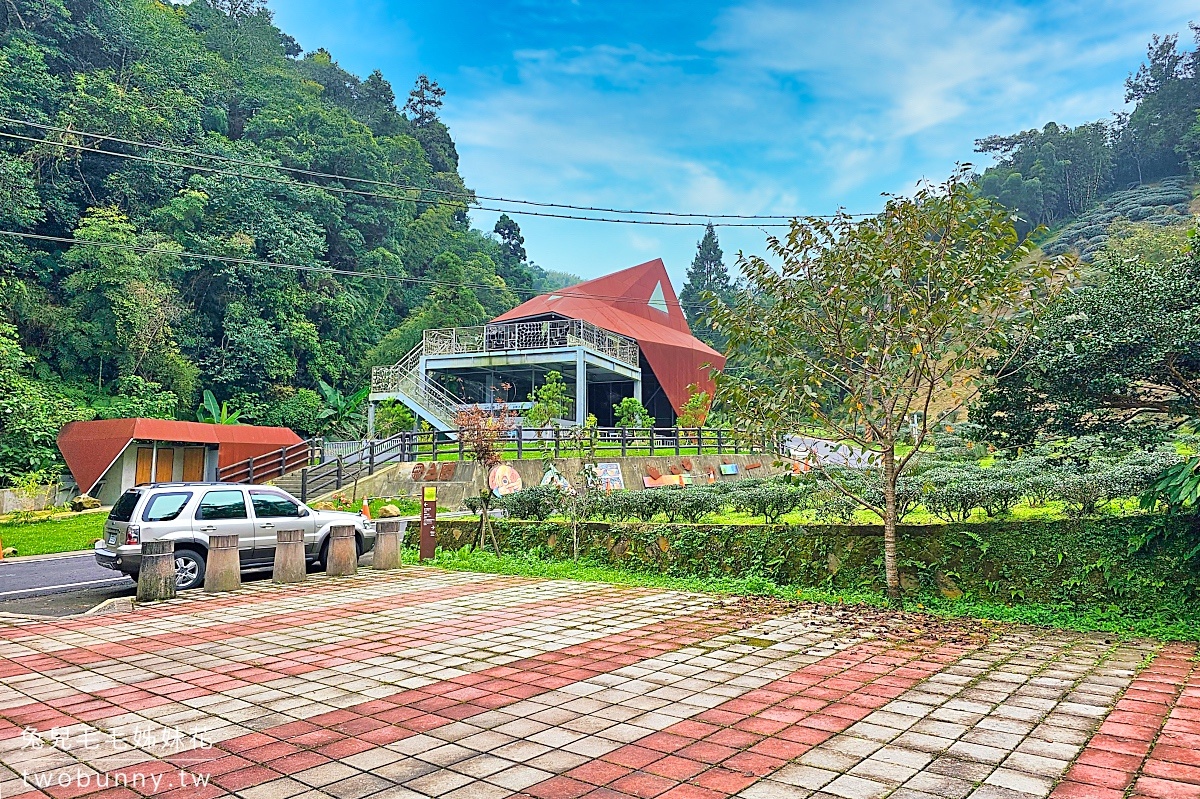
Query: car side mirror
(303, 512)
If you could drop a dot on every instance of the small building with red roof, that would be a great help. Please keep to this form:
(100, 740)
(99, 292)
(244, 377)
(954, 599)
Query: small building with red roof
(108, 456)
(621, 335)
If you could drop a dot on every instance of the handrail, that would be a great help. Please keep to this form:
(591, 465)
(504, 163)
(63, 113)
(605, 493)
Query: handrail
(405, 378)
(351, 465)
(272, 464)
(507, 336)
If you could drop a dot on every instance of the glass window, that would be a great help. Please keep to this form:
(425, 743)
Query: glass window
(123, 510)
(165, 507)
(273, 506)
(222, 505)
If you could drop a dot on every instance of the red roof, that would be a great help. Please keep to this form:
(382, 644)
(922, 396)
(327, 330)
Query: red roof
(90, 448)
(624, 302)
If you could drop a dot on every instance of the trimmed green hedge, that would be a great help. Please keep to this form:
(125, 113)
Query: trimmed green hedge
(1142, 563)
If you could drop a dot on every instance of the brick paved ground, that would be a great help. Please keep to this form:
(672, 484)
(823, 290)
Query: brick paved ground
(436, 684)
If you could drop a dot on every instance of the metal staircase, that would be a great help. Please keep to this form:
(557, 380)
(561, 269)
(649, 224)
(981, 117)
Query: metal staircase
(423, 397)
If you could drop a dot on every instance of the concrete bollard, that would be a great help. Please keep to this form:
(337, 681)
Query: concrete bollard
(388, 535)
(289, 557)
(156, 575)
(342, 559)
(224, 571)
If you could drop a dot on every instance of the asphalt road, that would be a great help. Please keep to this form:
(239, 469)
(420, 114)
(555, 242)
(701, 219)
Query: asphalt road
(58, 586)
(74, 583)
(25, 578)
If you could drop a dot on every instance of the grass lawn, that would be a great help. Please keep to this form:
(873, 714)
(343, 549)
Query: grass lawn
(55, 535)
(1166, 625)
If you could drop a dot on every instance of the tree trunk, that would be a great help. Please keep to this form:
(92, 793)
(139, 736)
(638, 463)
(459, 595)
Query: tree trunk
(891, 574)
(485, 513)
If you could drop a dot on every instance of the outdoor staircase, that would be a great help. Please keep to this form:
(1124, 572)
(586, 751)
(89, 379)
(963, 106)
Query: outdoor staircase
(290, 482)
(423, 397)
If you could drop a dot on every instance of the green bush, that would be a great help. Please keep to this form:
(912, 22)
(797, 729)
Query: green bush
(771, 501)
(832, 505)
(298, 410)
(536, 502)
(690, 504)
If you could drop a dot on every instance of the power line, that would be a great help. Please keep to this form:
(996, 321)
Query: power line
(465, 196)
(282, 181)
(328, 270)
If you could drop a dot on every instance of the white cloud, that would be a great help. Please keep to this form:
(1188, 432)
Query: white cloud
(784, 108)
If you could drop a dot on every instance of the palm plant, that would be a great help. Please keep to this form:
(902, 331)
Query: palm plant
(213, 412)
(342, 414)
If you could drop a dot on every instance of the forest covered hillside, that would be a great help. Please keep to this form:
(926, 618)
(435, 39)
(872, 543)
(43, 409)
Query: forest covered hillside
(1137, 167)
(226, 135)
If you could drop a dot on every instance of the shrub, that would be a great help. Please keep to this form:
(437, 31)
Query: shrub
(772, 501)
(833, 505)
(536, 502)
(630, 412)
(621, 506)
(1083, 493)
(690, 504)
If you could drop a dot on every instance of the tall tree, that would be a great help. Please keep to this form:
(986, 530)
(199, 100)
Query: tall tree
(512, 262)
(424, 101)
(511, 240)
(1117, 357)
(706, 276)
(868, 323)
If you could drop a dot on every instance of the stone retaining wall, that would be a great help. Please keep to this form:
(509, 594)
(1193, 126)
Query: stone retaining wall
(1084, 562)
(11, 501)
(466, 478)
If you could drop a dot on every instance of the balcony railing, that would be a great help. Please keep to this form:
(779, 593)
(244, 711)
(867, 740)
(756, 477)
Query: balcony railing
(508, 336)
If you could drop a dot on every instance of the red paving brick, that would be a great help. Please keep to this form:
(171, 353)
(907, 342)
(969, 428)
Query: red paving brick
(756, 726)
(1120, 754)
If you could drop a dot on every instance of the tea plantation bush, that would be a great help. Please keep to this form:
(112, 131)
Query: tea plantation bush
(1163, 204)
(952, 490)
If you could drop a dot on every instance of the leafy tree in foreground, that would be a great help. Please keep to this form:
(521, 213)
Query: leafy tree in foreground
(694, 410)
(551, 402)
(630, 412)
(482, 434)
(866, 323)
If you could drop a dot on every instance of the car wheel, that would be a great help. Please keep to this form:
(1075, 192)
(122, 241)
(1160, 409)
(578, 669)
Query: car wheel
(189, 569)
(323, 559)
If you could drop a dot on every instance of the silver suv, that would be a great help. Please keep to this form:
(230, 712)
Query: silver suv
(188, 513)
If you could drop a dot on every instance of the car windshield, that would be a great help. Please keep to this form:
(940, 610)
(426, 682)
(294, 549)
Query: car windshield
(123, 510)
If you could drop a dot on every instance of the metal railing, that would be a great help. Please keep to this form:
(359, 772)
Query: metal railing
(272, 464)
(354, 465)
(406, 378)
(536, 442)
(508, 336)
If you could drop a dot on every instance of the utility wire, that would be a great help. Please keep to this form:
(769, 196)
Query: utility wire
(283, 181)
(465, 196)
(327, 270)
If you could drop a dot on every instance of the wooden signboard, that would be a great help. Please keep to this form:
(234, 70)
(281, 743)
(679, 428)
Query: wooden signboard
(428, 521)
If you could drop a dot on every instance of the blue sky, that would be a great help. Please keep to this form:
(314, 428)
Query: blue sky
(754, 107)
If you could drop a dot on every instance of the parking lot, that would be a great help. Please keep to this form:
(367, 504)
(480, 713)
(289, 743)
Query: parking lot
(425, 683)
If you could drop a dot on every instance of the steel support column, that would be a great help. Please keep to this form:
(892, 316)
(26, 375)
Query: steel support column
(580, 388)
